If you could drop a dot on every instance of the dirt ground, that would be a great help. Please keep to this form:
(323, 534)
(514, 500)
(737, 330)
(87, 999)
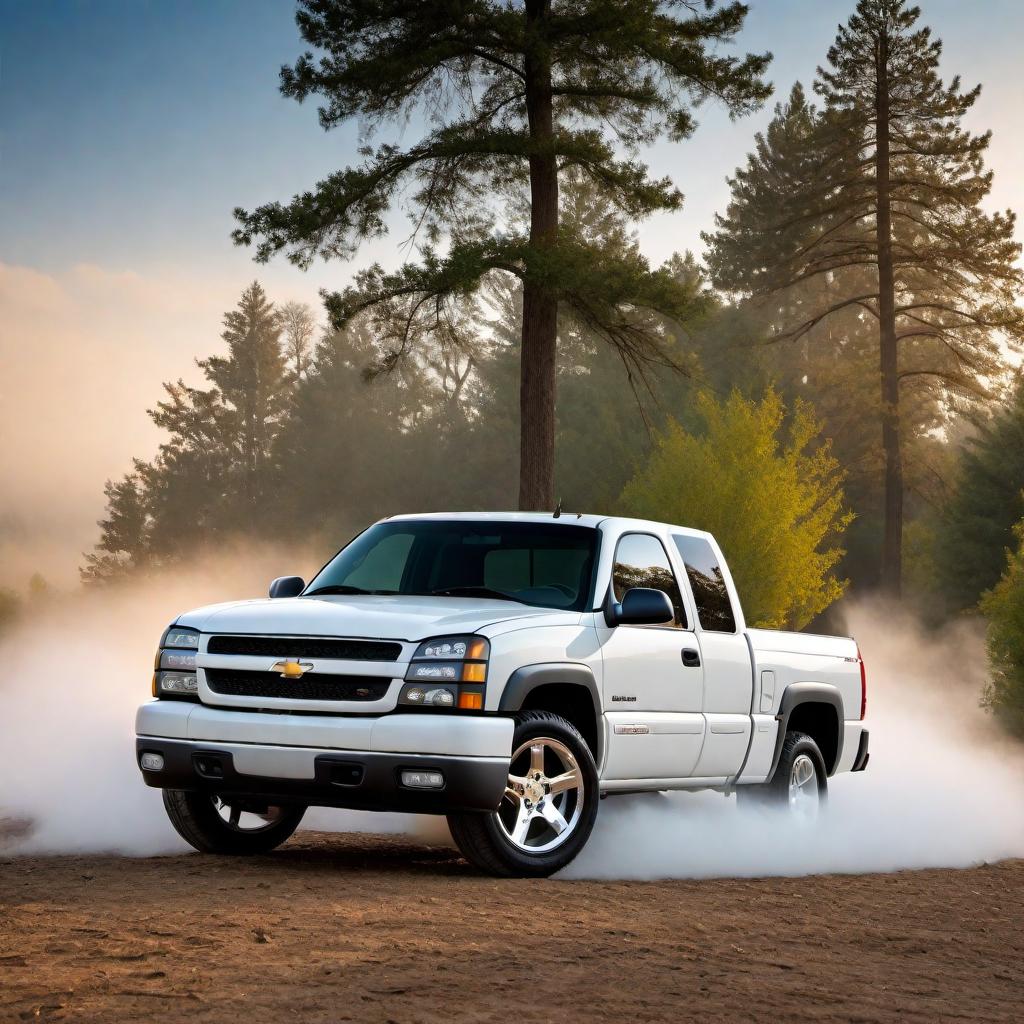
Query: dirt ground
(358, 928)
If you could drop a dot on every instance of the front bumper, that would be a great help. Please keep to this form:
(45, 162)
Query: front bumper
(327, 761)
(354, 779)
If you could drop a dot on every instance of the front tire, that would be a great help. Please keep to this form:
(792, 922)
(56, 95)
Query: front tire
(214, 824)
(549, 808)
(800, 782)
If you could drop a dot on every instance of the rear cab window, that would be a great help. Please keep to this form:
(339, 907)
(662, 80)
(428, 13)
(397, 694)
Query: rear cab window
(710, 594)
(641, 561)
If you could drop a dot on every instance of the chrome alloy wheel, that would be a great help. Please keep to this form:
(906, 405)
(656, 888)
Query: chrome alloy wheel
(236, 817)
(804, 793)
(543, 798)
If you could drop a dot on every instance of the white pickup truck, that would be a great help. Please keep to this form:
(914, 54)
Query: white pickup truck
(506, 670)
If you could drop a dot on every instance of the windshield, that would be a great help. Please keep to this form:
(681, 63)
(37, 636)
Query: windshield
(541, 564)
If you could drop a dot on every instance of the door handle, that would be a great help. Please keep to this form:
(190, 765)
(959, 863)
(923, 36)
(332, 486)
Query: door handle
(691, 658)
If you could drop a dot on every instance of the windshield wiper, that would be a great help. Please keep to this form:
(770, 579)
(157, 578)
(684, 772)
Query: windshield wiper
(473, 592)
(344, 588)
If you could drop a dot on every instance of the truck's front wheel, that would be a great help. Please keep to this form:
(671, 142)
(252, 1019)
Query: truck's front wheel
(215, 824)
(549, 807)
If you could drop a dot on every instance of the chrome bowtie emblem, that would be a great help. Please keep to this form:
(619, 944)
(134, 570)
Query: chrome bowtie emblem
(292, 668)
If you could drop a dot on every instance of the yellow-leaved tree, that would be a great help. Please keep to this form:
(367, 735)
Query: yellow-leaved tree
(768, 489)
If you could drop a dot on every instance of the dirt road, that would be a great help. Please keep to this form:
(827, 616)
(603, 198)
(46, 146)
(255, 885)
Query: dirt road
(335, 928)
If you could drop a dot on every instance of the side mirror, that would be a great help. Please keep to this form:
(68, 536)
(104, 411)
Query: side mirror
(287, 586)
(643, 606)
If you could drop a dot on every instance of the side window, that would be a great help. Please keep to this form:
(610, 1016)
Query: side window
(641, 561)
(714, 609)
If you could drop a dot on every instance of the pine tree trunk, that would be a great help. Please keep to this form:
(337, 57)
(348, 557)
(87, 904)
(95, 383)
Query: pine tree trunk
(540, 304)
(892, 544)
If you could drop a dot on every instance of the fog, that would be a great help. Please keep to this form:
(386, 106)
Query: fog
(943, 787)
(74, 676)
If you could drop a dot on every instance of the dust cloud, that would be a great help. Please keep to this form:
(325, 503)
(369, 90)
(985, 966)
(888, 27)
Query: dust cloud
(943, 789)
(71, 680)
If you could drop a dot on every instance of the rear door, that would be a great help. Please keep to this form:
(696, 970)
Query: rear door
(728, 669)
(653, 680)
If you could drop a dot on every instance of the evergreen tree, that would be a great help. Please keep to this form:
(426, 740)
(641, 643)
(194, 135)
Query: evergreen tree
(1004, 606)
(340, 451)
(212, 475)
(124, 533)
(513, 96)
(876, 202)
(974, 528)
(250, 391)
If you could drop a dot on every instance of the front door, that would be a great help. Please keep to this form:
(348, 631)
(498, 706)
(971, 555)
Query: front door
(653, 677)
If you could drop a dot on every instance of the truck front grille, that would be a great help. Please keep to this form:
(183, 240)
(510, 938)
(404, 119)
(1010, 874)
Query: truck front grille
(306, 647)
(236, 683)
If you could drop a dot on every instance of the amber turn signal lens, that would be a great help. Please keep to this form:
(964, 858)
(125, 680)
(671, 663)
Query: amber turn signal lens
(477, 649)
(471, 701)
(474, 672)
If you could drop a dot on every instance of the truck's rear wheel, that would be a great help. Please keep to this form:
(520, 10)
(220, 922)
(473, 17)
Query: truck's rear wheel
(549, 807)
(215, 824)
(800, 782)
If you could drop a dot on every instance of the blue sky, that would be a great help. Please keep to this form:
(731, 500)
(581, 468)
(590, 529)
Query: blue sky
(129, 129)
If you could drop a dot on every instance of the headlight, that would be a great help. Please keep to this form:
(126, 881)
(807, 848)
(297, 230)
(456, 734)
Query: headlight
(446, 672)
(175, 676)
(180, 636)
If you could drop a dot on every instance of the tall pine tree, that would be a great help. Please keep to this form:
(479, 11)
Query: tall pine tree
(876, 204)
(212, 474)
(510, 96)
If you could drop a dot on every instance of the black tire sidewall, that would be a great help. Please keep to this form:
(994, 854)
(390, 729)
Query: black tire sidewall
(500, 855)
(795, 744)
(198, 822)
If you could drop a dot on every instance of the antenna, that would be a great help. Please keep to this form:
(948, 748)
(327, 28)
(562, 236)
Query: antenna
(558, 510)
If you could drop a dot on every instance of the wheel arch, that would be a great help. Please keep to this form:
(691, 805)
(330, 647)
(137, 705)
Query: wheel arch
(567, 689)
(817, 710)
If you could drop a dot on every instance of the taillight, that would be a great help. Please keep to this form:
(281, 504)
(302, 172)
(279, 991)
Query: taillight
(863, 686)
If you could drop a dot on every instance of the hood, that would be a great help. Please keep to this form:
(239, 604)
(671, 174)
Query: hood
(386, 617)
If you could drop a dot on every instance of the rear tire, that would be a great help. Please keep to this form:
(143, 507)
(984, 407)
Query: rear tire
(549, 808)
(200, 819)
(800, 782)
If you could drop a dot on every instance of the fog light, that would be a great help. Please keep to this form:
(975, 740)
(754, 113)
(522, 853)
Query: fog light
(152, 762)
(439, 698)
(178, 682)
(423, 780)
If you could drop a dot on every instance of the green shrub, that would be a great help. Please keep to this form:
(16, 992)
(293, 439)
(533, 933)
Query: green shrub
(1004, 606)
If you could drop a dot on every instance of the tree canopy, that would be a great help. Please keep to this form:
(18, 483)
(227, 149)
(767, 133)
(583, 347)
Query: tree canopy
(213, 472)
(974, 527)
(510, 98)
(772, 499)
(876, 202)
